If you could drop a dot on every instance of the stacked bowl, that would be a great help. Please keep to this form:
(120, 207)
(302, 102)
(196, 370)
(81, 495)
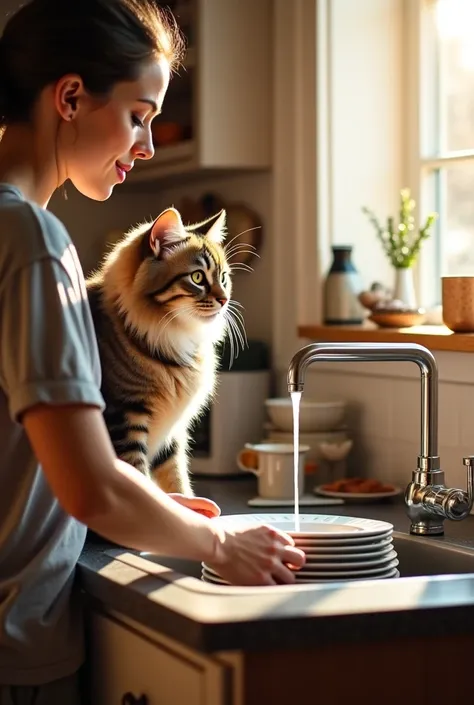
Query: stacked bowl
(337, 548)
(319, 422)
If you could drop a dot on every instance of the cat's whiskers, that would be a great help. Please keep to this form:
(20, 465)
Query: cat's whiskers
(242, 267)
(240, 246)
(238, 314)
(236, 324)
(257, 227)
(232, 340)
(240, 252)
(239, 321)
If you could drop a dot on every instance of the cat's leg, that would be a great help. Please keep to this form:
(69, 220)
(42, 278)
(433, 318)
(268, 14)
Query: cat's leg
(169, 468)
(128, 431)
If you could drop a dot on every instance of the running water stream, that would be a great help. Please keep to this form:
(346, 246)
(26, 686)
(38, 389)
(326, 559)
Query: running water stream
(295, 400)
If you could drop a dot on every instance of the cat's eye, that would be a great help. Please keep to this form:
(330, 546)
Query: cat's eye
(197, 277)
(224, 278)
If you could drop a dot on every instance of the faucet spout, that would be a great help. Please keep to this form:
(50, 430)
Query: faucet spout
(380, 352)
(428, 501)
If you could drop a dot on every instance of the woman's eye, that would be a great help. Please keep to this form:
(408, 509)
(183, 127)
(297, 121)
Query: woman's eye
(197, 277)
(136, 121)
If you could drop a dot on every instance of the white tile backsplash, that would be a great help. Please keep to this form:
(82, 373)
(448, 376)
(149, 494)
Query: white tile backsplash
(384, 418)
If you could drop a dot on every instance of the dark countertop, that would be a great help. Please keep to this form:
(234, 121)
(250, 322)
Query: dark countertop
(209, 618)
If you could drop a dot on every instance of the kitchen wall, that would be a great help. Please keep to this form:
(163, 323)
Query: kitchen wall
(366, 104)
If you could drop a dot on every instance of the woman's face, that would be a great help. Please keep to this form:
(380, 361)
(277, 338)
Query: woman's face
(104, 140)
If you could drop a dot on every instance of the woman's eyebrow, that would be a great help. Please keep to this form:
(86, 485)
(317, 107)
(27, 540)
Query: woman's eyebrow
(150, 102)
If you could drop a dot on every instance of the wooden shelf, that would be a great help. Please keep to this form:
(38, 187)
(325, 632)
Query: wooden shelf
(432, 337)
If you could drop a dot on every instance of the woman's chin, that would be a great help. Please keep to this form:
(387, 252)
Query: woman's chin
(95, 192)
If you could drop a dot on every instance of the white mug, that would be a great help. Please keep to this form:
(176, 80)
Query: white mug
(273, 464)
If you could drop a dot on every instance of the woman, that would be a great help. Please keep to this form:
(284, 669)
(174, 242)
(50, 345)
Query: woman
(80, 83)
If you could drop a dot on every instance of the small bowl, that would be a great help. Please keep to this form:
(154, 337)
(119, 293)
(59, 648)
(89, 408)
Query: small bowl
(370, 299)
(390, 318)
(314, 415)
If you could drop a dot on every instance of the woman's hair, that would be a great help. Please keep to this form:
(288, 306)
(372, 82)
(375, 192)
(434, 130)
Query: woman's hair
(104, 41)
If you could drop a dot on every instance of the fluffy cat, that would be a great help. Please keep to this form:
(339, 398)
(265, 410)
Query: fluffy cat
(159, 303)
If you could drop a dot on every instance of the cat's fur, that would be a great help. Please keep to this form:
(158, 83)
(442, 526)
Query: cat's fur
(157, 330)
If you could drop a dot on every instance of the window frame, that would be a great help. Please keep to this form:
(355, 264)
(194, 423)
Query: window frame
(423, 158)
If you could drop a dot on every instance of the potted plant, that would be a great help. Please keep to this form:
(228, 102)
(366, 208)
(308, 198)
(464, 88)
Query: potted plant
(402, 243)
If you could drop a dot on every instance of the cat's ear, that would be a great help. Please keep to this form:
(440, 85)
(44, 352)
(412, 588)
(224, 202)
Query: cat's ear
(167, 230)
(217, 232)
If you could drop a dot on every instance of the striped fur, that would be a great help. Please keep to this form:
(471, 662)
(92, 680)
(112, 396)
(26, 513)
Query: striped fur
(158, 302)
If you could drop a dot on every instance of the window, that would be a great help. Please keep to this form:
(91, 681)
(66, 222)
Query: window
(445, 139)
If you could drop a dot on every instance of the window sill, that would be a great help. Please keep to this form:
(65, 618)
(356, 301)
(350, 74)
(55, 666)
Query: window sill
(432, 337)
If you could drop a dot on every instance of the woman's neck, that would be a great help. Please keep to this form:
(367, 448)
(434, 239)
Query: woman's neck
(28, 161)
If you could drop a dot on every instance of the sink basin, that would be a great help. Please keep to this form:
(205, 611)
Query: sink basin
(418, 556)
(428, 556)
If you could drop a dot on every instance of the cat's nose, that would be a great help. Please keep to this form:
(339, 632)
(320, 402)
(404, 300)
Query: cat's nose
(222, 301)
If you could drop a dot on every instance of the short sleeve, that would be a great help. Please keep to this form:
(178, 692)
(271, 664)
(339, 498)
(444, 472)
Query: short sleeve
(48, 348)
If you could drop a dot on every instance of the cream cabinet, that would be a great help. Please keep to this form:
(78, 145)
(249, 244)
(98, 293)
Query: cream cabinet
(217, 115)
(130, 666)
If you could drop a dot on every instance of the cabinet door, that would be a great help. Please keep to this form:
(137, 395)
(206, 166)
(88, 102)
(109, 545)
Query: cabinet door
(127, 668)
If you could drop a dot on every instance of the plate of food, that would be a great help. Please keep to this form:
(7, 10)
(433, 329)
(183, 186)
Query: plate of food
(358, 489)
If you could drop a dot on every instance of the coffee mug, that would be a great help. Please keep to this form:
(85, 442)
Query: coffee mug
(273, 464)
(458, 303)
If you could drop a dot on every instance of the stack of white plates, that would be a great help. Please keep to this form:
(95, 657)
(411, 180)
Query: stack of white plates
(337, 548)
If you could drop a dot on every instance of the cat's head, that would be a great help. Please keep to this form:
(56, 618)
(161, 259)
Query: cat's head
(171, 282)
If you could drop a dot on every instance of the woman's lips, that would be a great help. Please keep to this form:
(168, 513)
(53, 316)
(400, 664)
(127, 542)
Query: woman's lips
(122, 171)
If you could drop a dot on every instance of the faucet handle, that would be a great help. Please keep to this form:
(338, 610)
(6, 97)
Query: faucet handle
(468, 461)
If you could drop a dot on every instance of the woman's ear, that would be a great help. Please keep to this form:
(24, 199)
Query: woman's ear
(67, 96)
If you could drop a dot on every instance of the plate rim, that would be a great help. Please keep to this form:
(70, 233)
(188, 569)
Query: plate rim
(368, 527)
(346, 547)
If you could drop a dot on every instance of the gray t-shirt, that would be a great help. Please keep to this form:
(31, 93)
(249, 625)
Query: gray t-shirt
(48, 354)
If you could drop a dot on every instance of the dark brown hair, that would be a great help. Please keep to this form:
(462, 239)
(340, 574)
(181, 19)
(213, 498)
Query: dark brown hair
(104, 41)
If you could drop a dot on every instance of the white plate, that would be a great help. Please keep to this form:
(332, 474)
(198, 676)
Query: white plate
(357, 496)
(208, 578)
(312, 526)
(346, 573)
(315, 543)
(349, 565)
(329, 569)
(364, 550)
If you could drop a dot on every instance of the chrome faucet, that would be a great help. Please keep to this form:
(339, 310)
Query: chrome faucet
(428, 501)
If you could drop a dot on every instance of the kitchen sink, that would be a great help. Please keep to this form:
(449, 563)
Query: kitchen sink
(418, 556)
(431, 556)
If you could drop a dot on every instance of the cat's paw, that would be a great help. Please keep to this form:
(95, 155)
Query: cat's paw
(201, 505)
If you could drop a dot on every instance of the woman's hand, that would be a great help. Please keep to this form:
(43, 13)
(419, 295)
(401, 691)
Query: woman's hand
(201, 505)
(258, 555)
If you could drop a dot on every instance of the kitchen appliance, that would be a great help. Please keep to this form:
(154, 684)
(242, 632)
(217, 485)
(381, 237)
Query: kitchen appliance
(235, 416)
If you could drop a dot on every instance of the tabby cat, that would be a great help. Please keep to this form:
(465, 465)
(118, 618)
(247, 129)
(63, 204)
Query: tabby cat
(159, 303)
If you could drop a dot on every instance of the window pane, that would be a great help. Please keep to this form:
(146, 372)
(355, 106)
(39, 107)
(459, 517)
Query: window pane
(456, 226)
(455, 22)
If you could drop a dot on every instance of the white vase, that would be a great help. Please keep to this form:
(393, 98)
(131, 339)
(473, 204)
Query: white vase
(405, 287)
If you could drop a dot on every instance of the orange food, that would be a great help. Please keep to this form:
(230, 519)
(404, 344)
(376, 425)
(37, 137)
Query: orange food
(357, 485)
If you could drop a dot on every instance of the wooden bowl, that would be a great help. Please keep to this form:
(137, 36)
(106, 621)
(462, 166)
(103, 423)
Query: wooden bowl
(389, 318)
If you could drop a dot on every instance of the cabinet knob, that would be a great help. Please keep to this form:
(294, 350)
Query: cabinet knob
(130, 699)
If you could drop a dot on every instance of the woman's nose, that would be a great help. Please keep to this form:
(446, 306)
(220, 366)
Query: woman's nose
(144, 149)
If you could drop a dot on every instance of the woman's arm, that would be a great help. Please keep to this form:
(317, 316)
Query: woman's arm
(109, 496)
(115, 500)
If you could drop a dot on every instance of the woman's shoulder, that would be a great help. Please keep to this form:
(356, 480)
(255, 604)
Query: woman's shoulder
(29, 233)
